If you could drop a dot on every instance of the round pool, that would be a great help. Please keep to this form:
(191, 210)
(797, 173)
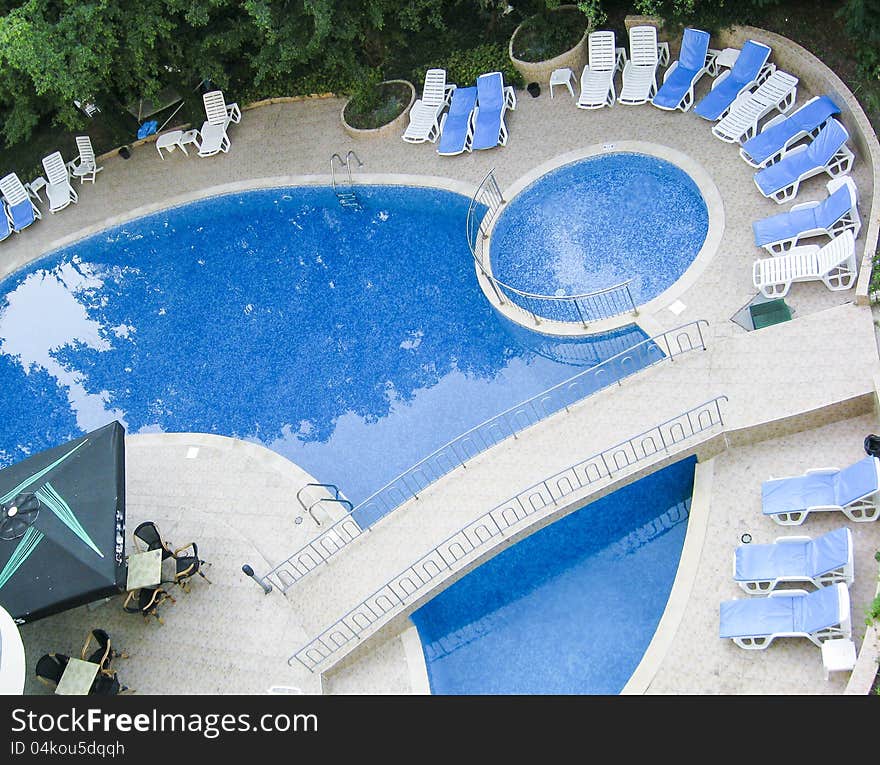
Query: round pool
(600, 221)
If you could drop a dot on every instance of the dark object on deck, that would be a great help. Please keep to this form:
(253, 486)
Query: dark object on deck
(872, 445)
(534, 89)
(125, 152)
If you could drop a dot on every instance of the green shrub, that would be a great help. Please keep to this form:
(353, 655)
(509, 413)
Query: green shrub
(464, 66)
(547, 35)
(372, 103)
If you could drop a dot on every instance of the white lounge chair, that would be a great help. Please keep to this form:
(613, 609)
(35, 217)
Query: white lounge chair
(58, 188)
(493, 101)
(783, 131)
(829, 217)
(597, 78)
(828, 559)
(779, 91)
(22, 211)
(820, 615)
(677, 90)
(826, 153)
(424, 116)
(640, 71)
(834, 265)
(212, 136)
(748, 71)
(788, 501)
(84, 167)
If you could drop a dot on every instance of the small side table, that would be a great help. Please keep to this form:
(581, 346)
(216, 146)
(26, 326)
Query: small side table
(727, 57)
(144, 570)
(838, 655)
(562, 77)
(77, 678)
(189, 136)
(34, 187)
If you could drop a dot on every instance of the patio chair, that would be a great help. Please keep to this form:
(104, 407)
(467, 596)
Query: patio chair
(212, 138)
(50, 667)
(789, 501)
(597, 78)
(58, 187)
(493, 100)
(84, 167)
(187, 566)
(147, 537)
(748, 71)
(827, 153)
(834, 265)
(830, 217)
(104, 653)
(820, 615)
(146, 601)
(456, 125)
(826, 560)
(778, 91)
(424, 117)
(677, 90)
(217, 111)
(107, 685)
(639, 77)
(21, 210)
(782, 131)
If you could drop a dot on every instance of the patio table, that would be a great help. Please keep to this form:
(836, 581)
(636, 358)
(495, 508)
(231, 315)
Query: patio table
(77, 678)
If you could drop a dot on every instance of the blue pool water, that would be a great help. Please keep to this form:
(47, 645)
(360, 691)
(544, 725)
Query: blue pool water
(570, 609)
(597, 222)
(352, 342)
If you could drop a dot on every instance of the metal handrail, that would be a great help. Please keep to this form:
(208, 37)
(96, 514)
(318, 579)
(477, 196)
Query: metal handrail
(613, 301)
(456, 452)
(479, 535)
(337, 497)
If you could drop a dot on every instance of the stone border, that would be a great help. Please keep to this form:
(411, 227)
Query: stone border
(387, 130)
(575, 58)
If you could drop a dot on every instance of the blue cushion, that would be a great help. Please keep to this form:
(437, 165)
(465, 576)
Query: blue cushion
(694, 47)
(22, 214)
(804, 120)
(677, 84)
(745, 70)
(787, 495)
(455, 127)
(789, 224)
(761, 617)
(5, 229)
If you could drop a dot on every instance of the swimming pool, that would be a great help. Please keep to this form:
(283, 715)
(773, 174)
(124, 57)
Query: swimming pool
(570, 609)
(597, 222)
(353, 342)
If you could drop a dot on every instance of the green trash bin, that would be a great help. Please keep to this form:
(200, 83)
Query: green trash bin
(769, 313)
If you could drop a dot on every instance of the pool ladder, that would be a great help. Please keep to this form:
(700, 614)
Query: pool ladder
(347, 197)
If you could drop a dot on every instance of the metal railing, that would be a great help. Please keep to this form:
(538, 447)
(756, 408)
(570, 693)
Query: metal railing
(347, 198)
(457, 452)
(487, 530)
(584, 309)
(336, 498)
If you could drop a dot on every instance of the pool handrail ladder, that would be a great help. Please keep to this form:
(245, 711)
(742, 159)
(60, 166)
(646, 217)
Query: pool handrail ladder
(455, 453)
(466, 545)
(605, 303)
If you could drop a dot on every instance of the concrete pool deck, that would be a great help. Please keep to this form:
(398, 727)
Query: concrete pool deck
(229, 637)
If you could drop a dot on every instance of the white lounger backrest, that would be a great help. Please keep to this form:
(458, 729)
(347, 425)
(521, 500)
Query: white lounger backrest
(215, 107)
(86, 152)
(434, 91)
(56, 172)
(643, 46)
(837, 252)
(13, 190)
(603, 57)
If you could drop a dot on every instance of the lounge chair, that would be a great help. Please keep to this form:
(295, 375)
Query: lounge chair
(58, 187)
(830, 217)
(640, 71)
(677, 90)
(826, 153)
(834, 265)
(456, 127)
(212, 136)
(748, 71)
(782, 131)
(597, 78)
(21, 210)
(754, 623)
(85, 166)
(826, 560)
(5, 222)
(778, 91)
(424, 117)
(789, 501)
(493, 100)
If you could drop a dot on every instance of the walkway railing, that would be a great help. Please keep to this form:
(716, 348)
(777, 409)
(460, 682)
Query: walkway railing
(457, 452)
(491, 527)
(585, 308)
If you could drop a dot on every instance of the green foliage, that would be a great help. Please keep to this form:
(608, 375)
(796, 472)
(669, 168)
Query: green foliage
(549, 34)
(710, 15)
(464, 66)
(374, 103)
(874, 284)
(592, 9)
(862, 23)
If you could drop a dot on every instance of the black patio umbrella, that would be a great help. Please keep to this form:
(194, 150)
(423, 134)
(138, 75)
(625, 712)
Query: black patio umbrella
(62, 526)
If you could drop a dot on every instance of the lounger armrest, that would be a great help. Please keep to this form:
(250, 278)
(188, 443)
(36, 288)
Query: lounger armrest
(804, 206)
(801, 147)
(824, 469)
(510, 97)
(720, 78)
(775, 121)
(797, 539)
(672, 67)
(447, 93)
(788, 594)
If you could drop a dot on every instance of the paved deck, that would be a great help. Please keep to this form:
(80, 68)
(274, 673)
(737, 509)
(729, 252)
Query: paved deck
(228, 637)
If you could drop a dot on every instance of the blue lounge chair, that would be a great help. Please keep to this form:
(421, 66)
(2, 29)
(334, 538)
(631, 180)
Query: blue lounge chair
(455, 125)
(826, 153)
(828, 559)
(21, 209)
(789, 501)
(749, 70)
(832, 216)
(677, 90)
(820, 615)
(782, 131)
(493, 100)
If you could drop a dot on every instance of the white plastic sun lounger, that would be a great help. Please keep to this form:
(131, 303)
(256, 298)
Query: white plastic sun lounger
(778, 91)
(597, 78)
(828, 559)
(85, 166)
(22, 211)
(58, 187)
(826, 153)
(820, 615)
(789, 501)
(640, 71)
(783, 131)
(424, 117)
(834, 265)
(677, 90)
(830, 217)
(213, 137)
(749, 70)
